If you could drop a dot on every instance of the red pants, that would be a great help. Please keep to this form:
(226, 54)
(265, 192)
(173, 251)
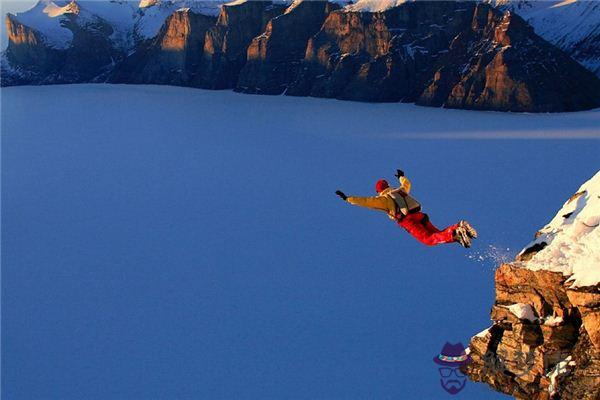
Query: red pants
(418, 225)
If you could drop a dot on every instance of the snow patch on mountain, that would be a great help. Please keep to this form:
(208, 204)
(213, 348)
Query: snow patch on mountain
(46, 17)
(53, 10)
(154, 13)
(151, 18)
(571, 25)
(147, 3)
(374, 5)
(572, 238)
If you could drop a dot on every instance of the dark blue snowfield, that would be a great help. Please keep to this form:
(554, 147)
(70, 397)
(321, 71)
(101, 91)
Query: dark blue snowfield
(168, 243)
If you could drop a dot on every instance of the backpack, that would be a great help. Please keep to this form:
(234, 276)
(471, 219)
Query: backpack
(405, 204)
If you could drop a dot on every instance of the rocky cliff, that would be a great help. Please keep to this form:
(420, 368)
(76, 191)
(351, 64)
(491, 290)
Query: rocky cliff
(173, 57)
(274, 57)
(443, 54)
(544, 342)
(451, 54)
(226, 43)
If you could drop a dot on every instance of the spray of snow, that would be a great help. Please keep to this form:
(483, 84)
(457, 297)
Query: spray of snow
(573, 238)
(492, 256)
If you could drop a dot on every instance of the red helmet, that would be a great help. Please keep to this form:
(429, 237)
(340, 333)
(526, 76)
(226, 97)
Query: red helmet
(381, 185)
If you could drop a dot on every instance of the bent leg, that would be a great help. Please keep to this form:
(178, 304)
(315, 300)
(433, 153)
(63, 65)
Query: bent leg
(428, 225)
(412, 223)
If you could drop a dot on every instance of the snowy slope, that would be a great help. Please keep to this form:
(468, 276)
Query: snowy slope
(573, 238)
(130, 20)
(47, 18)
(572, 25)
(119, 14)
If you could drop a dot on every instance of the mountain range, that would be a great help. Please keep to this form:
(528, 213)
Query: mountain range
(493, 55)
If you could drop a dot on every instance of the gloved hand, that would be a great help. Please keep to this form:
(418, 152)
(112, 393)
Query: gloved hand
(399, 173)
(341, 194)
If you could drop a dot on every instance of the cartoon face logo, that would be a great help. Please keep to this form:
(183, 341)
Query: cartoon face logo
(450, 359)
(452, 379)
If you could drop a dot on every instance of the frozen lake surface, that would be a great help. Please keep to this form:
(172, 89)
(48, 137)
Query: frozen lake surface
(164, 242)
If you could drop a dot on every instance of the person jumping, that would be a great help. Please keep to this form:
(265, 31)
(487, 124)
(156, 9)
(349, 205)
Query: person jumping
(406, 211)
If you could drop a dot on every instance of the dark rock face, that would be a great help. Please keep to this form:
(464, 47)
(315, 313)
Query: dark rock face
(273, 57)
(513, 69)
(226, 43)
(89, 56)
(451, 54)
(173, 57)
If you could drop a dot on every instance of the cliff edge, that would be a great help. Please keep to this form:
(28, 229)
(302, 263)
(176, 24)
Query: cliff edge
(544, 342)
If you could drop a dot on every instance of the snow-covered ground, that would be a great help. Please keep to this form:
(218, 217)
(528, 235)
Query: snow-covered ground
(163, 242)
(573, 238)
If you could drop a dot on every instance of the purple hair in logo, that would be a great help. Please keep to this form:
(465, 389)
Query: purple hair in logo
(450, 359)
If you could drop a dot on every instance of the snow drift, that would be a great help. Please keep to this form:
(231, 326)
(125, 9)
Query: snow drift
(570, 243)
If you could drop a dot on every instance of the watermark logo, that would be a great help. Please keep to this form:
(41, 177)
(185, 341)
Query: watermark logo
(515, 363)
(449, 361)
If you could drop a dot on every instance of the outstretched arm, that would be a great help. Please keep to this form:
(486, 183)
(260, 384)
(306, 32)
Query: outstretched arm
(375, 203)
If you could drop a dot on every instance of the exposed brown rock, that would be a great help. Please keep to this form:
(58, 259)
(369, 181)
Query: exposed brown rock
(517, 356)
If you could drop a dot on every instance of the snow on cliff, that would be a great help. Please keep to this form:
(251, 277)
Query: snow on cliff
(129, 20)
(46, 17)
(573, 238)
(374, 5)
(572, 25)
(152, 14)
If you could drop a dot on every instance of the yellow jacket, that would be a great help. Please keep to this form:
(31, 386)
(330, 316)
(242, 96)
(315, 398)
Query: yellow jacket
(381, 202)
